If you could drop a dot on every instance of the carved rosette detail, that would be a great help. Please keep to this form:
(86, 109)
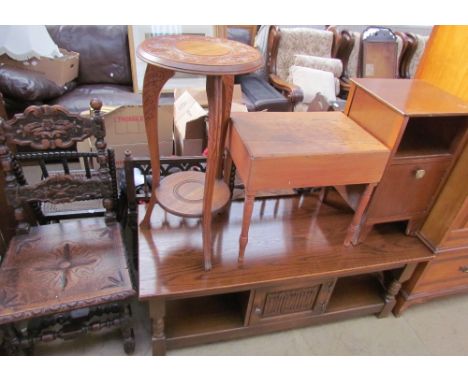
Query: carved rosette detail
(48, 127)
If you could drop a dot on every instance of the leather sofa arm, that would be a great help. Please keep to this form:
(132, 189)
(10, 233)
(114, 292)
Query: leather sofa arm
(293, 93)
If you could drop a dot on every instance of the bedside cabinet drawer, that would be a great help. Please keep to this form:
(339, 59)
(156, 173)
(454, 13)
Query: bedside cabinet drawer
(408, 187)
(446, 271)
(295, 301)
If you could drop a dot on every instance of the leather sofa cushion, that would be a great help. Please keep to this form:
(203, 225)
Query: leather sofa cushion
(26, 85)
(260, 95)
(103, 49)
(78, 99)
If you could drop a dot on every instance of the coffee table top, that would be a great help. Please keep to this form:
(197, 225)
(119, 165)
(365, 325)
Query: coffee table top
(200, 55)
(299, 134)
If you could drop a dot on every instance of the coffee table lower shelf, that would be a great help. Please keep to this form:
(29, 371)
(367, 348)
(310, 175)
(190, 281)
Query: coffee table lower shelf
(202, 320)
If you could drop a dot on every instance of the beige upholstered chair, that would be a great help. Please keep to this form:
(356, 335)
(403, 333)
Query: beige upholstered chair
(309, 48)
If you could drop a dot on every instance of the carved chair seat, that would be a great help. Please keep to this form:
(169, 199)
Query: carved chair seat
(65, 279)
(59, 267)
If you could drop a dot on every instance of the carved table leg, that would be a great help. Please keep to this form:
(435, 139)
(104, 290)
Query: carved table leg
(394, 288)
(228, 88)
(218, 98)
(353, 229)
(155, 78)
(157, 313)
(246, 217)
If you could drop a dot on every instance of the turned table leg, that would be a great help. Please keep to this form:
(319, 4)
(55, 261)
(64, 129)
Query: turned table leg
(353, 229)
(158, 338)
(246, 217)
(155, 78)
(394, 288)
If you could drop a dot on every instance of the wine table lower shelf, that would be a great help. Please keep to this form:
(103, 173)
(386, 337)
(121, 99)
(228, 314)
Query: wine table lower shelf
(296, 271)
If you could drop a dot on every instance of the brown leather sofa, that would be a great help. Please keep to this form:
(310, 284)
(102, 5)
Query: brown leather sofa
(104, 71)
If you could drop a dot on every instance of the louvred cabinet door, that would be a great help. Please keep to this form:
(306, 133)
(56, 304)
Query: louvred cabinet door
(295, 301)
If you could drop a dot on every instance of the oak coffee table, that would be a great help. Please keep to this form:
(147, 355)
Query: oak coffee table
(292, 150)
(191, 193)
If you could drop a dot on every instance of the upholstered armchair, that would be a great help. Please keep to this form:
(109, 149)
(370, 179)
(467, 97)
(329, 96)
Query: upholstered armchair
(298, 59)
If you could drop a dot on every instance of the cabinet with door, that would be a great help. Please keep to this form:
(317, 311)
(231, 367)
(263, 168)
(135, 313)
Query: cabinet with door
(425, 128)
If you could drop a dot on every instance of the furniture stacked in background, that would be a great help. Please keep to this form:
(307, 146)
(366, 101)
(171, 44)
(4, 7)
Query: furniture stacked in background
(104, 72)
(445, 230)
(410, 47)
(61, 280)
(310, 49)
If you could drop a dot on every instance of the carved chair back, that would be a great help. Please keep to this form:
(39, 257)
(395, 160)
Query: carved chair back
(51, 127)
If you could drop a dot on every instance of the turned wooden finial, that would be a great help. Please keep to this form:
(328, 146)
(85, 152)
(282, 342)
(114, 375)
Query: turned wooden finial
(96, 104)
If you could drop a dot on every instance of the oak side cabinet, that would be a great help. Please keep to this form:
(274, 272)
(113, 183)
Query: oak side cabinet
(425, 128)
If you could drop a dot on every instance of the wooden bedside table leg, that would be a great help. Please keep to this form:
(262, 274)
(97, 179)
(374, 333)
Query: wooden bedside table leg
(155, 78)
(246, 217)
(353, 229)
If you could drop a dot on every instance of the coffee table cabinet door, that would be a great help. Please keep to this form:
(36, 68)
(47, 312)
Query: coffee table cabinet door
(290, 301)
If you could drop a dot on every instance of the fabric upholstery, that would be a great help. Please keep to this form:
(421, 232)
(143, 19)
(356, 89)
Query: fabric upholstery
(332, 65)
(421, 45)
(313, 81)
(78, 99)
(104, 52)
(352, 69)
(26, 85)
(308, 41)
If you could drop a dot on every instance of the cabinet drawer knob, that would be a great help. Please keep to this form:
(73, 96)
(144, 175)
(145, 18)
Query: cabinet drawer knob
(419, 174)
(464, 269)
(258, 311)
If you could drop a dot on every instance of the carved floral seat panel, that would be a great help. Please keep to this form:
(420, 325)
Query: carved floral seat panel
(61, 267)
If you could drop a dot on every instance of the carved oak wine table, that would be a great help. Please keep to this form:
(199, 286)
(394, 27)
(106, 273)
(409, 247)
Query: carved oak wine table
(193, 194)
(292, 150)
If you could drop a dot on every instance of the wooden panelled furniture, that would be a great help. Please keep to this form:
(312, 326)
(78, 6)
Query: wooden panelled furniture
(425, 128)
(192, 194)
(444, 64)
(275, 151)
(66, 279)
(297, 272)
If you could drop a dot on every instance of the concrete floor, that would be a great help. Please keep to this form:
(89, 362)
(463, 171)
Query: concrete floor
(439, 327)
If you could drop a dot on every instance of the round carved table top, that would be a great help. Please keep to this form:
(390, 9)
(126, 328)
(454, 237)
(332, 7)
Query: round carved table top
(200, 55)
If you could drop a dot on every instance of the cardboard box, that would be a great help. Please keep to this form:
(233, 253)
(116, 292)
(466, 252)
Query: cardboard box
(199, 94)
(189, 125)
(125, 130)
(190, 136)
(59, 70)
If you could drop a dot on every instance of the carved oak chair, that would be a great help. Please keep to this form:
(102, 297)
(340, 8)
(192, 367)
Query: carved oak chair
(61, 280)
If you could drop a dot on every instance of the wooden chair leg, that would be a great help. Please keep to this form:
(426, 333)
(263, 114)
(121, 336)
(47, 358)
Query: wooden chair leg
(126, 329)
(246, 217)
(353, 229)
